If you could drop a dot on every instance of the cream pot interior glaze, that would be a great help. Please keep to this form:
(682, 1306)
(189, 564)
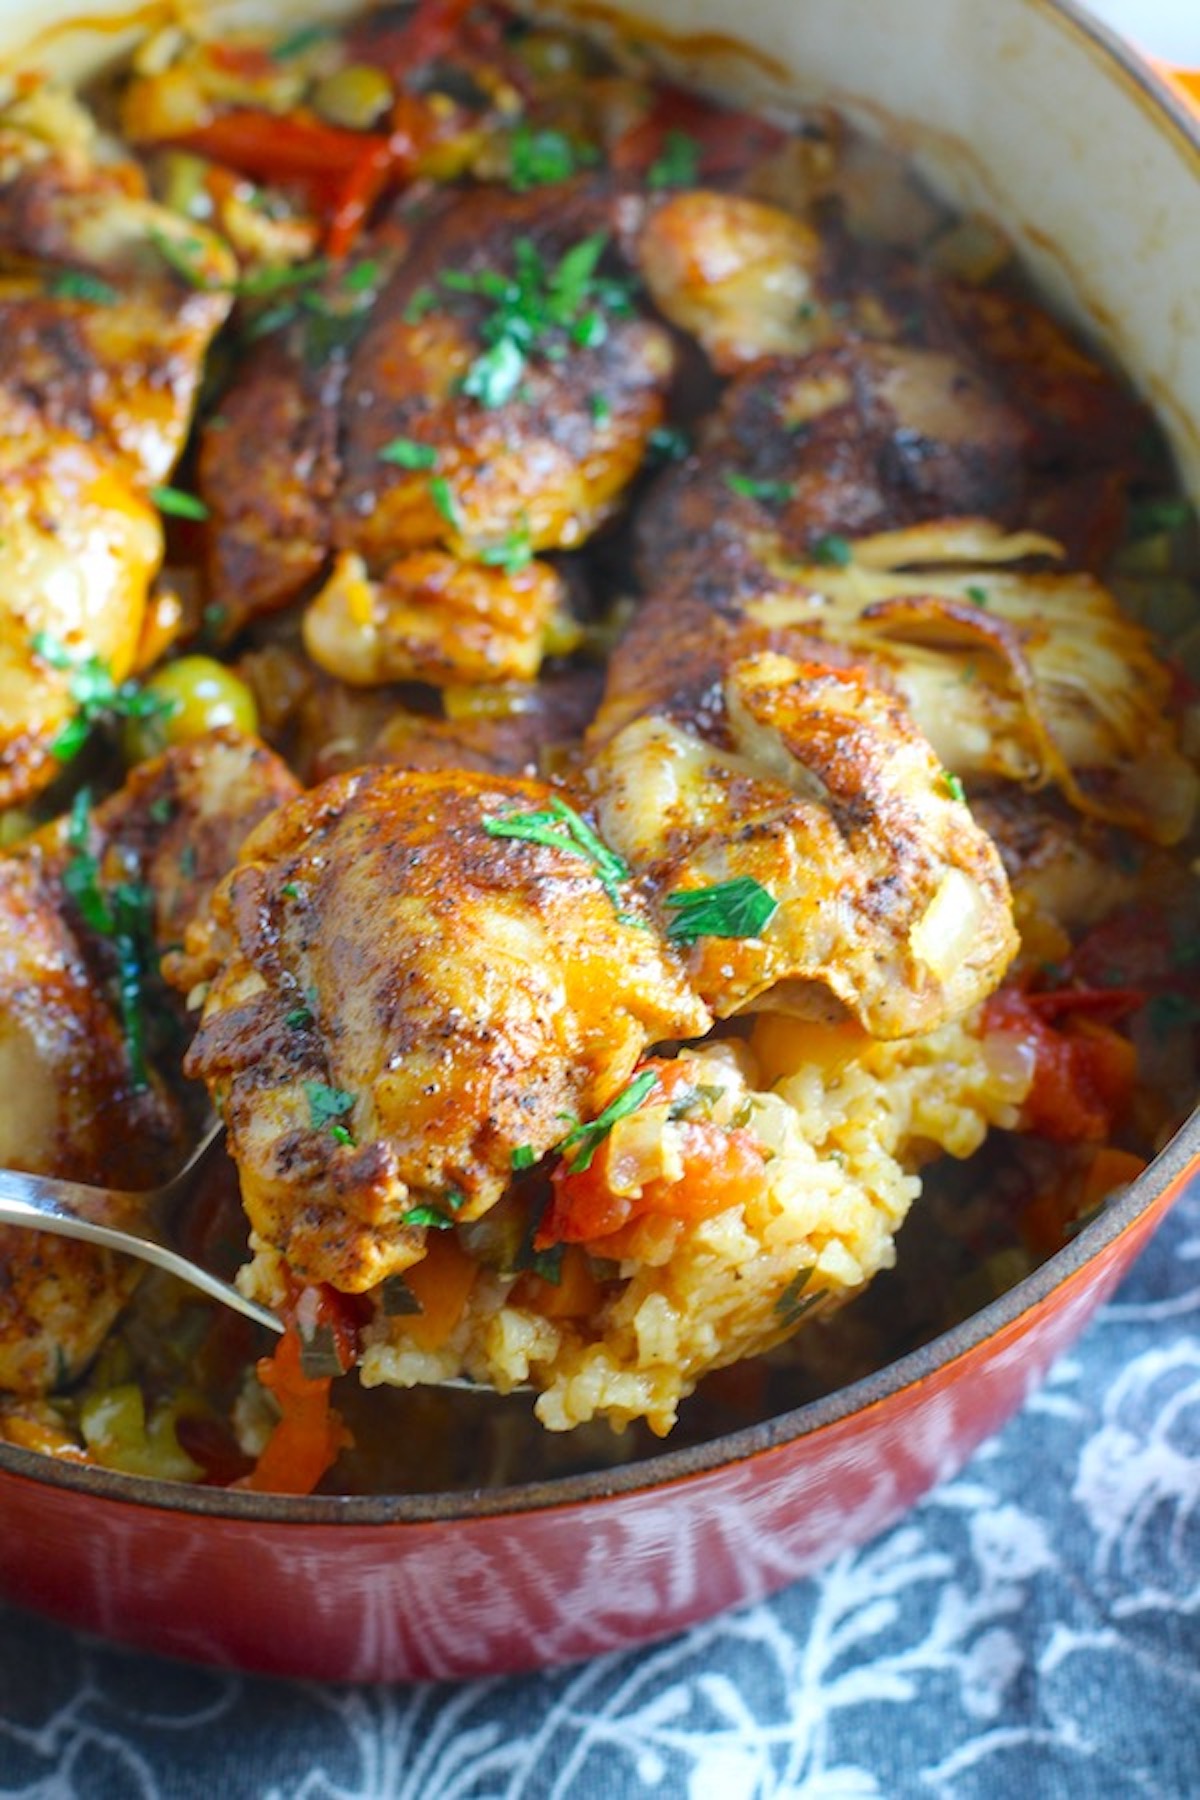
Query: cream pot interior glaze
(1027, 112)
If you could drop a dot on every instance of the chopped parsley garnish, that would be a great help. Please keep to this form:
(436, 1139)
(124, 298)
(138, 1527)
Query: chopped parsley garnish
(124, 914)
(298, 1018)
(677, 164)
(600, 407)
(327, 1106)
(406, 453)
(1172, 1012)
(399, 1301)
(419, 305)
(953, 785)
(278, 277)
(793, 1303)
(178, 504)
(446, 501)
(978, 594)
(559, 827)
(1147, 517)
(427, 1215)
(299, 42)
(78, 284)
(96, 695)
(580, 1145)
(340, 1135)
(291, 890)
(185, 257)
(667, 443)
(776, 492)
(512, 553)
(524, 1156)
(831, 551)
(539, 158)
(740, 908)
(538, 310)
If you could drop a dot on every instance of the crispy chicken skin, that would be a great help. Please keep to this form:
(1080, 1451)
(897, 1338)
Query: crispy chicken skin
(70, 1108)
(74, 1103)
(853, 439)
(104, 348)
(431, 578)
(80, 548)
(399, 1000)
(812, 781)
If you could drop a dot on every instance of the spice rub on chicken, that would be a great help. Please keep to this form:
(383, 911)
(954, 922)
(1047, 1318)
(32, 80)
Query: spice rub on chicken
(497, 403)
(90, 1042)
(409, 978)
(104, 342)
(744, 771)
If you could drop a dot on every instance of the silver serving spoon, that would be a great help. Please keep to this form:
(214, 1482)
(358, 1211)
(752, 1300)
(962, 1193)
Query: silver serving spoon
(135, 1224)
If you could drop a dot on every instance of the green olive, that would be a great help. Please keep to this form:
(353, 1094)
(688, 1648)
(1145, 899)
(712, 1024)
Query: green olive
(197, 694)
(354, 96)
(552, 57)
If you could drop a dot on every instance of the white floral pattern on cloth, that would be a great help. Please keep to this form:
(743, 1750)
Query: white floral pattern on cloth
(1033, 1629)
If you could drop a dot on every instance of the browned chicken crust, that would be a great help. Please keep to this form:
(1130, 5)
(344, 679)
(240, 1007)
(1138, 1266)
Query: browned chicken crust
(398, 1000)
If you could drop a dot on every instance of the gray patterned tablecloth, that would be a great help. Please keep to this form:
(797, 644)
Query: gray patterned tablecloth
(1032, 1629)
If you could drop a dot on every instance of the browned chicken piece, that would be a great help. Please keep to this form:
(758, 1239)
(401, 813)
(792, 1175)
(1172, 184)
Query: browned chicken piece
(435, 618)
(853, 439)
(108, 302)
(71, 1107)
(499, 404)
(267, 473)
(750, 281)
(745, 279)
(1035, 678)
(177, 824)
(406, 991)
(810, 783)
(80, 549)
(104, 347)
(92, 1084)
(1066, 873)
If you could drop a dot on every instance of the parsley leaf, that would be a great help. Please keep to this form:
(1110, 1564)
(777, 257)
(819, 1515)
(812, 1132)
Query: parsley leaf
(407, 453)
(539, 158)
(740, 908)
(512, 553)
(580, 1145)
(953, 786)
(124, 915)
(677, 164)
(831, 551)
(178, 504)
(326, 1105)
(793, 1303)
(79, 284)
(559, 827)
(96, 695)
(538, 310)
(779, 492)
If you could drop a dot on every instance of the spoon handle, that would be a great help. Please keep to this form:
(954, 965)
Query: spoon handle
(60, 1207)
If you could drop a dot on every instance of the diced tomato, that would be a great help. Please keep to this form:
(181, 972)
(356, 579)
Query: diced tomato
(727, 141)
(720, 1168)
(1083, 1070)
(310, 1434)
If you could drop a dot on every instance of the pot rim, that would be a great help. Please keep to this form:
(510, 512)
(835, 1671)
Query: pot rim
(1164, 1180)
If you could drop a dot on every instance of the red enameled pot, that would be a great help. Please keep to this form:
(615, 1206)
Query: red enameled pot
(1093, 163)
